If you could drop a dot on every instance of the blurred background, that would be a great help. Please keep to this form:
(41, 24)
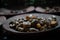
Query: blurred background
(26, 3)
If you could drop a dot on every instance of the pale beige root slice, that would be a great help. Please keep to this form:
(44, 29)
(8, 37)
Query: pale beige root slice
(53, 23)
(38, 25)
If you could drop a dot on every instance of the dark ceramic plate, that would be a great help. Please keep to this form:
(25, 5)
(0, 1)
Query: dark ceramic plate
(4, 11)
(2, 19)
(6, 23)
(43, 10)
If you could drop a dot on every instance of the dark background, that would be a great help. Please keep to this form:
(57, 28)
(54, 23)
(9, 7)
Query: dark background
(29, 3)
